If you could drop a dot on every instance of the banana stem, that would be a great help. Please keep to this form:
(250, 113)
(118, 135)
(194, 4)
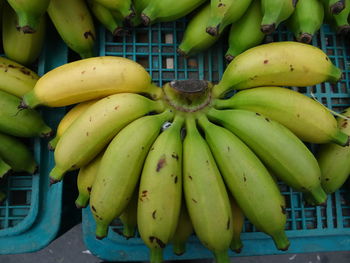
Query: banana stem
(156, 255)
(128, 231)
(53, 143)
(236, 245)
(221, 257)
(82, 201)
(179, 248)
(219, 91)
(281, 240)
(27, 23)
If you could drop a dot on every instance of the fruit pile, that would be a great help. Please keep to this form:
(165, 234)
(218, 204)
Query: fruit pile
(164, 160)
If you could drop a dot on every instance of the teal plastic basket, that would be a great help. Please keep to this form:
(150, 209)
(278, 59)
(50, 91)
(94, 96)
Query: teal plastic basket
(30, 216)
(310, 229)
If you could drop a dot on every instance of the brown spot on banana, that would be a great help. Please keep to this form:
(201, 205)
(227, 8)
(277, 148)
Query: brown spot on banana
(266, 61)
(175, 180)
(154, 214)
(160, 243)
(175, 156)
(161, 163)
(88, 34)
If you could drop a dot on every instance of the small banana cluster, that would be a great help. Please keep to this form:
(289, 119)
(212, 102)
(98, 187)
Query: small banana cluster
(185, 158)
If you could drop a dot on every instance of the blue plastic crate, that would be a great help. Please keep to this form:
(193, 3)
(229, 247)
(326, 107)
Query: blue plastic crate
(310, 229)
(30, 216)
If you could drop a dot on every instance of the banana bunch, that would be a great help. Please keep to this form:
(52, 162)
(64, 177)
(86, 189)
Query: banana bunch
(185, 158)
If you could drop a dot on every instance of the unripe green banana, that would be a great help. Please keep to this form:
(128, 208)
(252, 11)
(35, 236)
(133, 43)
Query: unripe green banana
(95, 128)
(124, 7)
(238, 222)
(85, 181)
(21, 123)
(334, 160)
(239, 38)
(339, 21)
(288, 63)
(165, 10)
(306, 20)
(139, 6)
(29, 13)
(18, 46)
(223, 13)
(334, 6)
(15, 78)
(161, 190)
(74, 23)
(245, 176)
(121, 168)
(129, 216)
(16, 154)
(5, 169)
(274, 12)
(306, 118)
(68, 119)
(183, 231)
(195, 39)
(278, 148)
(205, 193)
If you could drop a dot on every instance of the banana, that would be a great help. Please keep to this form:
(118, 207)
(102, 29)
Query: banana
(74, 23)
(205, 193)
(334, 160)
(183, 231)
(2, 197)
(274, 12)
(16, 79)
(16, 154)
(223, 13)
(85, 181)
(165, 10)
(195, 39)
(306, 118)
(245, 176)
(21, 123)
(139, 6)
(68, 119)
(239, 39)
(124, 7)
(334, 6)
(129, 216)
(278, 148)
(106, 18)
(278, 64)
(18, 46)
(306, 20)
(160, 191)
(120, 169)
(29, 13)
(5, 169)
(95, 128)
(89, 79)
(339, 21)
(238, 222)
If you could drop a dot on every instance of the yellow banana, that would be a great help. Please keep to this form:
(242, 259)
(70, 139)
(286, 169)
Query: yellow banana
(120, 169)
(160, 191)
(90, 79)
(278, 64)
(129, 216)
(93, 129)
(306, 118)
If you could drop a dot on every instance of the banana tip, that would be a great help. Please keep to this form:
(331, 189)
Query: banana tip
(213, 30)
(284, 248)
(268, 29)
(305, 38)
(100, 237)
(53, 181)
(23, 105)
(337, 7)
(47, 134)
(80, 206)
(181, 52)
(26, 29)
(229, 57)
(145, 19)
(119, 31)
(343, 30)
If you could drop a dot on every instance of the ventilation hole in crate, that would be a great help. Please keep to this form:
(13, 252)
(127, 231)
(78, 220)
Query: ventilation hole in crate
(19, 197)
(142, 37)
(167, 62)
(167, 37)
(330, 52)
(14, 222)
(143, 60)
(192, 63)
(115, 49)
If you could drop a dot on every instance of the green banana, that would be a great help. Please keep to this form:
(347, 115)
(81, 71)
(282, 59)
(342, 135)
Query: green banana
(183, 231)
(106, 18)
(278, 148)
(15, 78)
(245, 176)
(339, 21)
(334, 160)
(29, 13)
(274, 12)
(124, 7)
(5, 169)
(18, 46)
(238, 222)
(21, 123)
(288, 63)
(205, 193)
(74, 23)
(334, 6)
(306, 118)
(94, 128)
(16, 154)
(85, 181)
(223, 13)
(195, 39)
(160, 191)
(129, 216)
(165, 10)
(306, 20)
(239, 39)
(120, 169)
(139, 6)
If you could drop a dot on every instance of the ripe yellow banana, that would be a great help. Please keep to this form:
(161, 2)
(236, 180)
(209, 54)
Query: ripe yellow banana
(334, 160)
(205, 193)
(120, 169)
(68, 119)
(278, 64)
(306, 118)
(93, 129)
(129, 216)
(85, 181)
(5, 169)
(90, 79)
(15, 78)
(248, 181)
(278, 148)
(238, 222)
(161, 190)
